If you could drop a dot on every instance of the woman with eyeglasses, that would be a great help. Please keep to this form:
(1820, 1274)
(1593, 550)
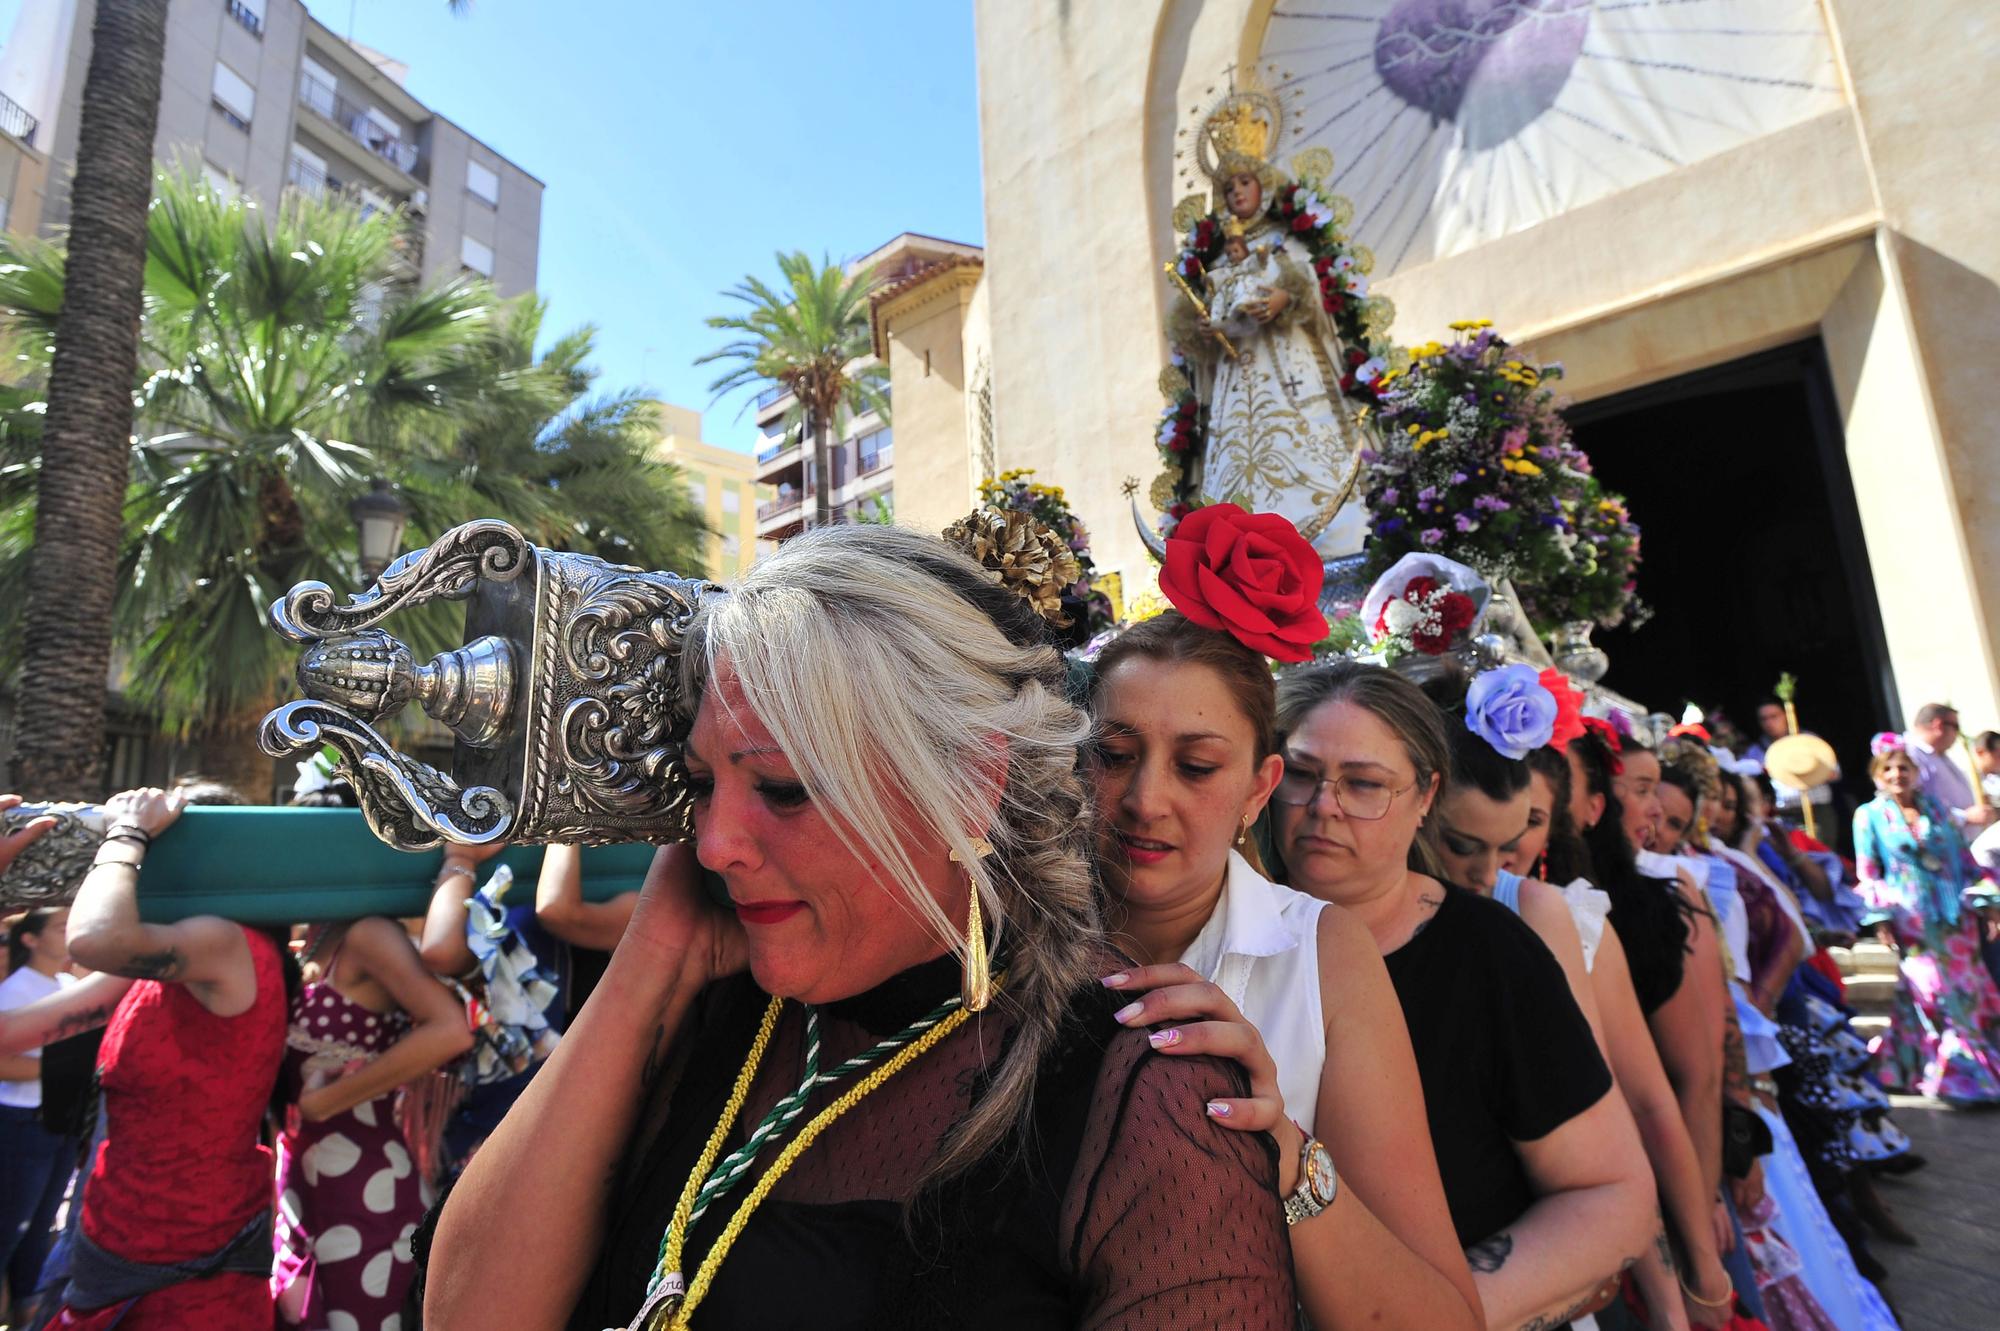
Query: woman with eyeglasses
(1230, 963)
(1542, 1168)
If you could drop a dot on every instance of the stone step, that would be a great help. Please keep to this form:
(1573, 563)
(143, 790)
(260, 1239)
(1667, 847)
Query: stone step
(1866, 958)
(1871, 993)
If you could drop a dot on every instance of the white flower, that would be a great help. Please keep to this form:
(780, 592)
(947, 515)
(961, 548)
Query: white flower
(1358, 285)
(1343, 263)
(1399, 617)
(1368, 371)
(1166, 434)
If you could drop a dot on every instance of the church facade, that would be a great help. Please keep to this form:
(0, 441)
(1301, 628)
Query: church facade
(1647, 193)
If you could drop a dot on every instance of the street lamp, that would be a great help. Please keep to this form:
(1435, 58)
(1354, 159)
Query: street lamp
(380, 516)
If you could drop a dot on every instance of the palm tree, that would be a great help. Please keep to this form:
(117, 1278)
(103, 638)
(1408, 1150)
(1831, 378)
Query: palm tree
(69, 594)
(572, 470)
(810, 338)
(281, 368)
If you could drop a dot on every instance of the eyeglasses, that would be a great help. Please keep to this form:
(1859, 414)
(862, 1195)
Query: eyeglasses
(1357, 797)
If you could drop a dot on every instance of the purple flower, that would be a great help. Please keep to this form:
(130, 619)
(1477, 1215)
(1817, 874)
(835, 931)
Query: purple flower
(1458, 478)
(1431, 536)
(1428, 493)
(1391, 495)
(1370, 455)
(1509, 709)
(1492, 503)
(1464, 522)
(1387, 525)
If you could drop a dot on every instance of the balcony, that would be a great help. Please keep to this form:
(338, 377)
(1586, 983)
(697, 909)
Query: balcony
(244, 14)
(317, 95)
(15, 120)
(880, 460)
(771, 395)
(409, 241)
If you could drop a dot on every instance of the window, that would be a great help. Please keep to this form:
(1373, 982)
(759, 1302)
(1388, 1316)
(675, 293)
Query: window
(219, 181)
(732, 500)
(308, 172)
(250, 13)
(482, 183)
(234, 96)
(698, 491)
(732, 546)
(875, 449)
(476, 256)
(317, 86)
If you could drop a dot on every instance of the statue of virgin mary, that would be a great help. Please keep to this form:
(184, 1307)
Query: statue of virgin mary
(1254, 337)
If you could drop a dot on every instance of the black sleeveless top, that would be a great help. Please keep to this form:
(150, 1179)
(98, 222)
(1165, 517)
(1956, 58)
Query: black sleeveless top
(1105, 1214)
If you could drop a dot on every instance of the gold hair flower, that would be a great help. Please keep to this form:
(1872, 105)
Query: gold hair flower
(1021, 555)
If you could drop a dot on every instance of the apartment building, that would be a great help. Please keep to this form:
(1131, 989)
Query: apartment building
(725, 489)
(862, 477)
(261, 96)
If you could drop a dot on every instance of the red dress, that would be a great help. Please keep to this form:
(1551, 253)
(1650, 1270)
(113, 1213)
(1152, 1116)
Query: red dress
(181, 1171)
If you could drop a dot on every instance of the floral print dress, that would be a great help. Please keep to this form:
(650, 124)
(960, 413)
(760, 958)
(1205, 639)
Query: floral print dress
(350, 1195)
(1944, 1031)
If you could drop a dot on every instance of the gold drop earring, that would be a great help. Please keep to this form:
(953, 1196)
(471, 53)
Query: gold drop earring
(1243, 832)
(976, 990)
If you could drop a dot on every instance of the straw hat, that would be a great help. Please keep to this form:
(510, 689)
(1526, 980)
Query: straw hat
(1800, 762)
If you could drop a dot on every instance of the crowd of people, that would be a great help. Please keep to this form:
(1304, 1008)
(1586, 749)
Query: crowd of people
(1003, 988)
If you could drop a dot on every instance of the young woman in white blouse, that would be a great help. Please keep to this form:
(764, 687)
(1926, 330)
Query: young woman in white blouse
(1230, 963)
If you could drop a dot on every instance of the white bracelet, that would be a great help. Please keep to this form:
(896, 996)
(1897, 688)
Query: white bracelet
(451, 868)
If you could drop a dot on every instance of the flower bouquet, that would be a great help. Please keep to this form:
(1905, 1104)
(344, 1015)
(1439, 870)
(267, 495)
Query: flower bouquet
(1476, 463)
(1088, 609)
(1599, 584)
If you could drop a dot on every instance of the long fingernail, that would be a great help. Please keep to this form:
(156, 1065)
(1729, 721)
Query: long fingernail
(1161, 1039)
(1129, 1011)
(1117, 981)
(1218, 1109)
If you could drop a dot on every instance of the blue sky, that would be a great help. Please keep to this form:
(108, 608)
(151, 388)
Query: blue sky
(683, 143)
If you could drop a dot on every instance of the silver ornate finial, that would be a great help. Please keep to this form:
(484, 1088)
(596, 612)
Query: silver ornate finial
(566, 704)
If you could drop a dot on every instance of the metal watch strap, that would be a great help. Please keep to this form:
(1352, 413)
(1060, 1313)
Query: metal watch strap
(1304, 1202)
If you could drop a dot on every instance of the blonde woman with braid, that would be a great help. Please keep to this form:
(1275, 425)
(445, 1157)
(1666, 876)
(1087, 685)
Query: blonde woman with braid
(805, 1101)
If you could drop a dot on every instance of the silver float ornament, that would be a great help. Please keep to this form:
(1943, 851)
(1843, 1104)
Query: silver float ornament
(49, 871)
(565, 700)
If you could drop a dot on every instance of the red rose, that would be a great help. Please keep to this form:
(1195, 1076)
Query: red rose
(1250, 575)
(1569, 709)
(1303, 224)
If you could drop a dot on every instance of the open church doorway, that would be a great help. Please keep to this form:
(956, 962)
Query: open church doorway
(1754, 562)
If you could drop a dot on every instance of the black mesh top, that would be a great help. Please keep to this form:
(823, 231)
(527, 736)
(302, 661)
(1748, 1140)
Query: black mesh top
(1503, 1051)
(1125, 1206)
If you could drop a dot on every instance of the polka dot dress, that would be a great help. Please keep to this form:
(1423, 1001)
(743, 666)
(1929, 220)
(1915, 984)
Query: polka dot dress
(350, 1195)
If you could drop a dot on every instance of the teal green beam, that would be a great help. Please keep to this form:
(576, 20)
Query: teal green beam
(285, 866)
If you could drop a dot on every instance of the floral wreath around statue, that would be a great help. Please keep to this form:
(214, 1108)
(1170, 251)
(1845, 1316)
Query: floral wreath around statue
(1304, 210)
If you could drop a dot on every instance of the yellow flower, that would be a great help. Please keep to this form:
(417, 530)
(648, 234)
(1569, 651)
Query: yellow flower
(1414, 428)
(1527, 468)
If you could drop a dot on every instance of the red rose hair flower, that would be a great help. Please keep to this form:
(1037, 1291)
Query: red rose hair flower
(1251, 575)
(1607, 735)
(1569, 709)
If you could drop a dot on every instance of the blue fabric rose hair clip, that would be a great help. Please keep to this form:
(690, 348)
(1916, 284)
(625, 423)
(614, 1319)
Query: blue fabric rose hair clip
(1511, 709)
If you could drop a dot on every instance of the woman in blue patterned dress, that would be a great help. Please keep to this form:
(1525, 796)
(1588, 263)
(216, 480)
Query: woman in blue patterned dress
(1920, 883)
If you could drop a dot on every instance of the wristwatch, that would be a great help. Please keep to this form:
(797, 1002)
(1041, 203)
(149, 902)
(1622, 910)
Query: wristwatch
(1318, 1184)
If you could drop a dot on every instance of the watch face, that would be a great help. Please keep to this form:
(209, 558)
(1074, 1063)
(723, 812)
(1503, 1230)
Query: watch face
(1319, 1173)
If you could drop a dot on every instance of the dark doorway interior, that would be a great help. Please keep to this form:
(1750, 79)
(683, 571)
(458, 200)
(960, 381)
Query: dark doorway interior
(1754, 562)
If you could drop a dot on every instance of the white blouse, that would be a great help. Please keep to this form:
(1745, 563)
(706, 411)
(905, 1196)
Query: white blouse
(1261, 947)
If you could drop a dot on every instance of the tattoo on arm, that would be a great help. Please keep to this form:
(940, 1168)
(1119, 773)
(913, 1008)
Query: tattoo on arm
(1549, 1321)
(1430, 904)
(1665, 1248)
(656, 1060)
(76, 1023)
(1489, 1255)
(162, 965)
(1735, 1067)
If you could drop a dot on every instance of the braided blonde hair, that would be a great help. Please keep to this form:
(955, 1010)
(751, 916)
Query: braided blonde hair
(891, 671)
